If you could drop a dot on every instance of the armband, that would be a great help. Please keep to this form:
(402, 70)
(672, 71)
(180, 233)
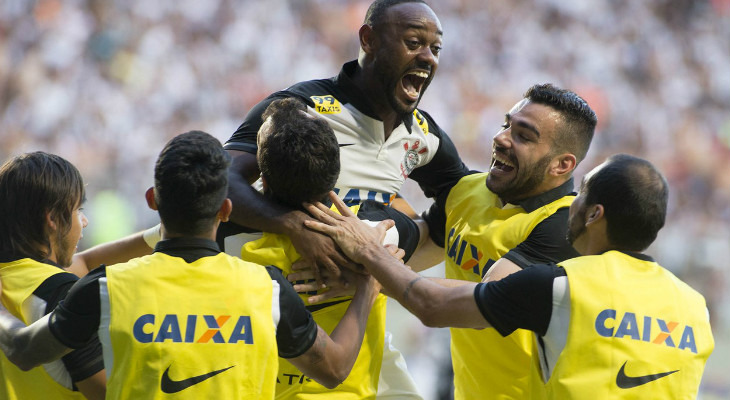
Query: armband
(152, 236)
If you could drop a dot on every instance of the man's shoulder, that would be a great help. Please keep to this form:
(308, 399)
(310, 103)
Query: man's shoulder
(306, 90)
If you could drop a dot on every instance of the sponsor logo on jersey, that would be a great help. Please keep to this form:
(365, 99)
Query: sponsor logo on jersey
(327, 104)
(627, 382)
(412, 157)
(462, 253)
(422, 123)
(651, 329)
(292, 379)
(175, 328)
(170, 386)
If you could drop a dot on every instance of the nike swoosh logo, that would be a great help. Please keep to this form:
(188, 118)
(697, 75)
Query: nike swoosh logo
(346, 144)
(628, 382)
(170, 386)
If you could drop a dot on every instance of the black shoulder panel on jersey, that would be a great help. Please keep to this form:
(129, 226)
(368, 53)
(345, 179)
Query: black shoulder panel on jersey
(546, 243)
(54, 289)
(244, 138)
(445, 169)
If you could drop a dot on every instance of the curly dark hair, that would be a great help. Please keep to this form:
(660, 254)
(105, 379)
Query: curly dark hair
(579, 120)
(299, 156)
(191, 182)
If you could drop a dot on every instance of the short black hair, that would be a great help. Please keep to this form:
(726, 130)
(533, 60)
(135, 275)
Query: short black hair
(634, 196)
(191, 182)
(376, 11)
(32, 185)
(579, 120)
(299, 158)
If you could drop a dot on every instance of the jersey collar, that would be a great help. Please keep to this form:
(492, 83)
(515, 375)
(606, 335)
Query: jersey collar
(356, 97)
(531, 204)
(187, 248)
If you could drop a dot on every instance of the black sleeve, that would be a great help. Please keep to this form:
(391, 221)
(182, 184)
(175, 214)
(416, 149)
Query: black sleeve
(244, 138)
(297, 330)
(75, 320)
(523, 300)
(547, 243)
(86, 360)
(446, 167)
(408, 233)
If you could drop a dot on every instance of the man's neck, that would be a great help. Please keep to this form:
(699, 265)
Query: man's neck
(209, 235)
(376, 99)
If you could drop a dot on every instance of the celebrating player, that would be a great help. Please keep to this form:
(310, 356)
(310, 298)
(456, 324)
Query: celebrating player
(611, 323)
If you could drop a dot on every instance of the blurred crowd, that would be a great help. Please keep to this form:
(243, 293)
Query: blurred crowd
(105, 83)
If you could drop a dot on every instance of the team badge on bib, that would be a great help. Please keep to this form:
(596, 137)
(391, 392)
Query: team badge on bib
(412, 157)
(326, 104)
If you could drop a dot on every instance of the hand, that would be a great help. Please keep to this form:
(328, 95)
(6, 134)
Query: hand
(342, 286)
(320, 251)
(367, 283)
(352, 235)
(396, 252)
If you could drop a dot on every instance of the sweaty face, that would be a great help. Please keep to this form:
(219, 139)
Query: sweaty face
(407, 58)
(66, 245)
(522, 151)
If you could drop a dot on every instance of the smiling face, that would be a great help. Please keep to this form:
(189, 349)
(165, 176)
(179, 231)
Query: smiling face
(406, 59)
(522, 151)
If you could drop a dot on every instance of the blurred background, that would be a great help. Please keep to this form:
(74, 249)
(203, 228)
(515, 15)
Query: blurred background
(105, 83)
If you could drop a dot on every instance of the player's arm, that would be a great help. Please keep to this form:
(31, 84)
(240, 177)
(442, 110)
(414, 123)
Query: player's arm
(28, 346)
(330, 358)
(118, 251)
(432, 303)
(327, 359)
(72, 324)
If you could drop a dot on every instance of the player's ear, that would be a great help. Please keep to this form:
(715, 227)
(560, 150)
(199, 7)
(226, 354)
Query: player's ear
(225, 211)
(594, 213)
(50, 222)
(367, 39)
(563, 164)
(149, 195)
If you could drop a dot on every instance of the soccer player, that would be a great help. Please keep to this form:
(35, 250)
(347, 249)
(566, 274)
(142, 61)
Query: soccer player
(372, 107)
(494, 223)
(41, 223)
(299, 158)
(611, 323)
(189, 320)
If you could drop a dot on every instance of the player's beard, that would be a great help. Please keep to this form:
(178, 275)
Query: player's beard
(525, 182)
(389, 77)
(576, 226)
(64, 248)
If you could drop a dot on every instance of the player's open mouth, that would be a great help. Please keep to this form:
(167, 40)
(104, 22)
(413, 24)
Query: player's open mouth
(412, 83)
(501, 163)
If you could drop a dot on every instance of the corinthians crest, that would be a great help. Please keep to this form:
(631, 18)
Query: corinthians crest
(412, 157)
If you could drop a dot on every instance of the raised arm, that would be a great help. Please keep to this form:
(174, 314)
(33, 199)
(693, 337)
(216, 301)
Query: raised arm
(330, 359)
(110, 253)
(434, 304)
